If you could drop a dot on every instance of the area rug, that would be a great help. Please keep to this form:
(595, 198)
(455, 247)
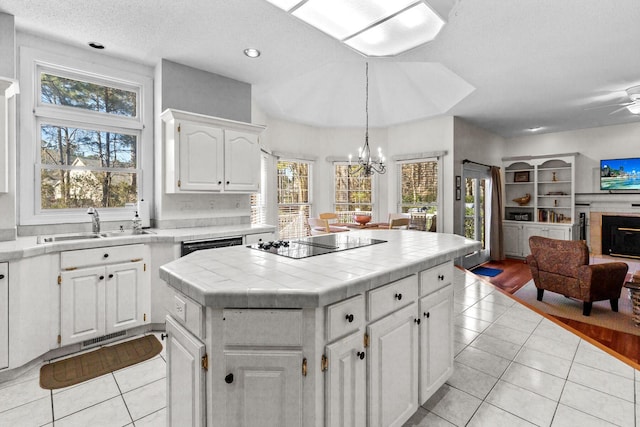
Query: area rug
(86, 366)
(601, 314)
(486, 271)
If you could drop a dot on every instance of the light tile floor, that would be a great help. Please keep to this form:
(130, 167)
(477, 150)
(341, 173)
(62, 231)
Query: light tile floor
(513, 367)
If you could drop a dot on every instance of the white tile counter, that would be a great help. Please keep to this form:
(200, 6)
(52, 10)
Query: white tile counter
(243, 277)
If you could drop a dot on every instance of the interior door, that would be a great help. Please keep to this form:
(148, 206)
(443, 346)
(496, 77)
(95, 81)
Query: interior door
(477, 211)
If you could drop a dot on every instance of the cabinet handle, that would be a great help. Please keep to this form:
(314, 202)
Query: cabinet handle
(1, 276)
(163, 336)
(440, 277)
(398, 297)
(111, 276)
(426, 314)
(349, 317)
(101, 277)
(360, 355)
(417, 321)
(228, 379)
(105, 256)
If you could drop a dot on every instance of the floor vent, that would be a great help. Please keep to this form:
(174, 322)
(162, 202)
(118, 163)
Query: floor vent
(110, 337)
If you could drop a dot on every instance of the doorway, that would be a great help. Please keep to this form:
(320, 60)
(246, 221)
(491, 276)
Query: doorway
(477, 211)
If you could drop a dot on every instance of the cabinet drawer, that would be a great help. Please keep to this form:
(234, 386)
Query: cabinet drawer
(188, 313)
(100, 256)
(435, 278)
(385, 299)
(345, 317)
(263, 327)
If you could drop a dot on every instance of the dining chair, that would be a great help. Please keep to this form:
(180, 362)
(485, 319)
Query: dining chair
(399, 223)
(318, 226)
(331, 217)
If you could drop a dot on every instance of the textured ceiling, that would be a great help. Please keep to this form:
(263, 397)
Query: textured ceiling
(505, 66)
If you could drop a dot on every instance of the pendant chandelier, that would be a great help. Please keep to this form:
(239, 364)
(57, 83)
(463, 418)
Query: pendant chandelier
(366, 164)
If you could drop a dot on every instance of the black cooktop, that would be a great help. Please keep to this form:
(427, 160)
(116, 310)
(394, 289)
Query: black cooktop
(316, 245)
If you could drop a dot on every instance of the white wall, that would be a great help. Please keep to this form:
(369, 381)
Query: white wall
(593, 145)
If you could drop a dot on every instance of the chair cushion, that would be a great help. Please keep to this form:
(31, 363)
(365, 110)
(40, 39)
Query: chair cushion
(562, 257)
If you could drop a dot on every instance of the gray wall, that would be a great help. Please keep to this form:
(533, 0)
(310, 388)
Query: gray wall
(7, 46)
(197, 91)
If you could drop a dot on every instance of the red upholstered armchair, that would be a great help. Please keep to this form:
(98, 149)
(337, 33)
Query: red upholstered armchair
(562, 266)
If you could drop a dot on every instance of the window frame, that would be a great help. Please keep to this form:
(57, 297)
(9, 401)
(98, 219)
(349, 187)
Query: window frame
(373, 188)
(101, 70)
(438, 202)
(310, 165)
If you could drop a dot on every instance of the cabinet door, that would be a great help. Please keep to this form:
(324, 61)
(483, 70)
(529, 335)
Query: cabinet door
(242, 161)
(185, 377)
(346, 382)
(436, 341)
(201, 157)
(127, 298)
(264, 388)
(393, 368)
(512, 239)
(561, 233)
(82, 304)
(4, 315)
(528, 231)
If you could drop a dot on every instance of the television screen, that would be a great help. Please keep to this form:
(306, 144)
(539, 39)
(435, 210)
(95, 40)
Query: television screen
(620, 174)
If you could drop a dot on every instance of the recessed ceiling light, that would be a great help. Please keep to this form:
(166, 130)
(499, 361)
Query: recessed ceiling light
(96, 45)
(534, 128)
(251, 52)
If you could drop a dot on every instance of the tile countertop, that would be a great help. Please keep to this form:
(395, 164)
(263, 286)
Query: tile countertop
(247, 278)
(28, 246)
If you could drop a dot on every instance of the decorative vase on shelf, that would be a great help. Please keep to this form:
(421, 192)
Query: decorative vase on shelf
(524, 200)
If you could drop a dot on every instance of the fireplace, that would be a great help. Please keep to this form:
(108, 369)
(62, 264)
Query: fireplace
(621, 236)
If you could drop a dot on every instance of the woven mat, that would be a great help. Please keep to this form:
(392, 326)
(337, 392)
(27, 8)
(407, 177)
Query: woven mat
(86, 366)
(569, 308)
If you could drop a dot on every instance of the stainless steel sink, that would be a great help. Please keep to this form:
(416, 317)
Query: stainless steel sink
(86, 236)
(68, 237)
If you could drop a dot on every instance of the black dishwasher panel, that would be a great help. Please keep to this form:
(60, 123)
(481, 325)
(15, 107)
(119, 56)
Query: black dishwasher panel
(196, 245)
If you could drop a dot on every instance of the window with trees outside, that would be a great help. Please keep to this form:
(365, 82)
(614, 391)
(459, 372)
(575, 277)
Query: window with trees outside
(419, 189)
(89, 141)
(294, 203)
(352, 190)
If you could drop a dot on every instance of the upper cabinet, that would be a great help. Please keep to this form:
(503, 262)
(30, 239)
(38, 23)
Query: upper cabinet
(210, 154)
(540, 189)
(8, 90)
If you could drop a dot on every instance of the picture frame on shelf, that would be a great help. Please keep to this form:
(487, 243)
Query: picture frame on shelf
(521, 176)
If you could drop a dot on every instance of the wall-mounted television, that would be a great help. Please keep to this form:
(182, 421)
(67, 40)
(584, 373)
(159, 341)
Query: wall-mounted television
(620, 174)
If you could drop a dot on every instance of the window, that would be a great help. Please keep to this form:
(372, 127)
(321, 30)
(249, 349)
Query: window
(258, 200)
(294, 204)
(353, 191)
(85, 134)
(419, 189)
(93, 164)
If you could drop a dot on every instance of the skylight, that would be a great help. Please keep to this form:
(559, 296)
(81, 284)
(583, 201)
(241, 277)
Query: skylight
(372, 27)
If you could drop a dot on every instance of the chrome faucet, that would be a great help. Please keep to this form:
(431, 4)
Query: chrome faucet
(95, 219)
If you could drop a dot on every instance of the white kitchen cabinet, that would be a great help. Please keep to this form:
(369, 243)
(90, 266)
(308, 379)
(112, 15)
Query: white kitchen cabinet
(346, 382)
(210, 154)
(436, 341)
(250, 239)
(185, 377)
(103, 299)
(4, 315)
(512, 239)
(393, 368)
(264, 388)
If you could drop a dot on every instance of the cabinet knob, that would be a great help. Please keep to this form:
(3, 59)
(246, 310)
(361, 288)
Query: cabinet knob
(105, 256)
(163, 336)
(440, 276)
(1, 276)
(398, 297)
(426, 314)
(101, 277)
(417, 321)
(111, 276)
(228, 379)
(227, 182)
(360, 355)
(349, 317)
(219, 182)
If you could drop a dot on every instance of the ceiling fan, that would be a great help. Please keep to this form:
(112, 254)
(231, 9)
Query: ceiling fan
(633, 105)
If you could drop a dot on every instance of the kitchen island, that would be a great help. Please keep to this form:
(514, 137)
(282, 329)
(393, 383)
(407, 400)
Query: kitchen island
(360, 336)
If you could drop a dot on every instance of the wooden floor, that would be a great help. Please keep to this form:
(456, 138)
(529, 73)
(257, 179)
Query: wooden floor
(516, 274)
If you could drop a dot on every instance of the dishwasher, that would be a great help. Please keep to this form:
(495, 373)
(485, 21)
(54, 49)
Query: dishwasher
(197, 245)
